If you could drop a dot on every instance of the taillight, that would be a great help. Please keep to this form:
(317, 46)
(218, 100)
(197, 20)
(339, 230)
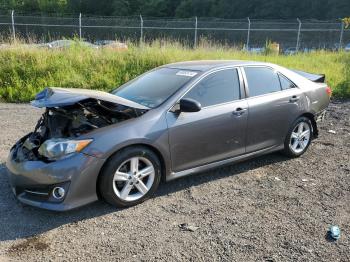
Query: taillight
(328, 91)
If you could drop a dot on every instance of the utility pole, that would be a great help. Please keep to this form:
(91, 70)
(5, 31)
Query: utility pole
(141, 29)
(341, 35)
(80, 26)
(298, 37)
(195, 32)
(13, 25)
(248, 34)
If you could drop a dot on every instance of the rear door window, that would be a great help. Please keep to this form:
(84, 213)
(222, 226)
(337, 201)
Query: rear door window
(216, 88)
(261, 81)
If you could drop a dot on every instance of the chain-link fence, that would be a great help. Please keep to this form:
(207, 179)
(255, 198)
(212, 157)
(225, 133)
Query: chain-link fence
(244, 33)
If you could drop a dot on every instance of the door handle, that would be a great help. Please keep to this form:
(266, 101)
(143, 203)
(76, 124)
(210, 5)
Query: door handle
(239, 111)
(294, 99)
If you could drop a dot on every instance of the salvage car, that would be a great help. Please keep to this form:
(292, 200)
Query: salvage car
(173, 121)
(65, 44)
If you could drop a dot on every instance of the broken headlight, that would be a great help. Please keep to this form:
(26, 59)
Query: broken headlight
(57, 148)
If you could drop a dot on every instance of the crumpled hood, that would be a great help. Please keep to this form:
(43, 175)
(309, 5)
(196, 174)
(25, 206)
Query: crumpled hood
(57, 97)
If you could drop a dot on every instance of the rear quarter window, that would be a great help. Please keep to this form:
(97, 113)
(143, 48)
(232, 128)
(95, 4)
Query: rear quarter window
(285, 82)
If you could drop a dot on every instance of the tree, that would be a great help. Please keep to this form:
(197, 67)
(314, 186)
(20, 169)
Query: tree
(263, 9)
(190, 8)
(155, 8)
(121, 8)
(52, 6)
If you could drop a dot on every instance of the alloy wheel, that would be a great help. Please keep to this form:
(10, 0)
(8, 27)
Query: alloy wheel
(300, 138)
(133, 178)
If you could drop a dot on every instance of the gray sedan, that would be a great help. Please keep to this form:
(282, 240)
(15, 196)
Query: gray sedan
(173, 121)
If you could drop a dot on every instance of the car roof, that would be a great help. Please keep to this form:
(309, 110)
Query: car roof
(205, 65)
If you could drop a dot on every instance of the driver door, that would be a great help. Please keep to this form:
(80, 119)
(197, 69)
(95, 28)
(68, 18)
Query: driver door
(214, 133)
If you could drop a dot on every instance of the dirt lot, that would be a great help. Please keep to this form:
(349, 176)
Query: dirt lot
(268, 209)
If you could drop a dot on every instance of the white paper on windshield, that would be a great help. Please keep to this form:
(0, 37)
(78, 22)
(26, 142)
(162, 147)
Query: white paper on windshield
(186, 73)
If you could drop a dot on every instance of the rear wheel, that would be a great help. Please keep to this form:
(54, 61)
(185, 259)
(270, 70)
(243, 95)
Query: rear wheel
(298, 138)
(130, 177)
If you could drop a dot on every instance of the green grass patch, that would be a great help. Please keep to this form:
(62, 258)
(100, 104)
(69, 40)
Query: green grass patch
(25, 71)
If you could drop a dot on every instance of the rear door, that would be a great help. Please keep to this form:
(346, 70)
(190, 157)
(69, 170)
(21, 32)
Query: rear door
(217, 131)
(273, 102)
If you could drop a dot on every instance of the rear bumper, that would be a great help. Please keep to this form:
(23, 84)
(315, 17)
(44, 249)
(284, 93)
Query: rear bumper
(320, 117)
(32, 181)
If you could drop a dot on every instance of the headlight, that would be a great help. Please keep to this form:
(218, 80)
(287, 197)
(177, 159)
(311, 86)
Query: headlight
(59, 147)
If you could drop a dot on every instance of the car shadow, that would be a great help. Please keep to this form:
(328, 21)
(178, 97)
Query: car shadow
(22, 221)
(219, 173)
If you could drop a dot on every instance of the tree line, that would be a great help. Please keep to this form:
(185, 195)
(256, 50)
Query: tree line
(231, 9)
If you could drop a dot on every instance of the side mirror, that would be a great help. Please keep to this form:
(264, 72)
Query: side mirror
(189, 105)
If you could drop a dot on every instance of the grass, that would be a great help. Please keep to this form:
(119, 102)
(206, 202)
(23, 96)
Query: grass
(24, 71)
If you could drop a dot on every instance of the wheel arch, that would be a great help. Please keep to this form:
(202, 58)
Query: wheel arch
(150, 147)
(313, 123)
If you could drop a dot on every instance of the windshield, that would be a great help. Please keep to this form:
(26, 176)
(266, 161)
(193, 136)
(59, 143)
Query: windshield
(153, 88)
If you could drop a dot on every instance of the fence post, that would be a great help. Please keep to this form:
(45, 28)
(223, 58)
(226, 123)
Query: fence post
(195, 32)
(141, 29)
(298, 37)
(13, 25)
(248, 34)
(80, 26)
(341, 36)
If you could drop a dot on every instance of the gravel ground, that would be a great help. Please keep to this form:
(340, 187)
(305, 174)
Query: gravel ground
(267, 209)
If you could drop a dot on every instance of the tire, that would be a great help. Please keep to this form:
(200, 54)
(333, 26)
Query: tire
(125, 181)
(298, 138)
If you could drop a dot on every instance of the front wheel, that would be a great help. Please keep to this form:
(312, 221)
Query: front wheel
(130, 177)
(298, 138)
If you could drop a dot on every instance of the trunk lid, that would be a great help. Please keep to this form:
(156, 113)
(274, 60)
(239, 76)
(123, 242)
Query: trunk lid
(317, 78)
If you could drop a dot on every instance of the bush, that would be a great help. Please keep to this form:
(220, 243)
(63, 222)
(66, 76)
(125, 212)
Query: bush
(343, 88)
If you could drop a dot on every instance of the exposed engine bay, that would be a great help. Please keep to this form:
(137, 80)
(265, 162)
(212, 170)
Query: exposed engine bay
(72, 121)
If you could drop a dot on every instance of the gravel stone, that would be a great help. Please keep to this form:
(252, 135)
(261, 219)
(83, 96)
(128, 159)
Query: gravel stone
(244, 212)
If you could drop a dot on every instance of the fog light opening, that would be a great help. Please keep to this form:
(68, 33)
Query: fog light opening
(58, 192)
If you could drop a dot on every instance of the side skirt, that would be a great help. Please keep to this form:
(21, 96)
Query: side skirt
(176, 175)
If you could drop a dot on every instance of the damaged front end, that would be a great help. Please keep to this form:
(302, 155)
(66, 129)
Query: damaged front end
(47, 168)
(67, 116)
